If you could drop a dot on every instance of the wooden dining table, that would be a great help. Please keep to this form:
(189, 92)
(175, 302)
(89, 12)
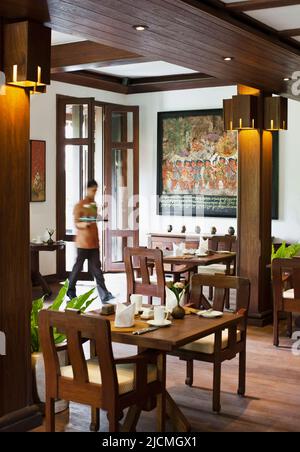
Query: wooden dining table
(163, 341)
(227, 259)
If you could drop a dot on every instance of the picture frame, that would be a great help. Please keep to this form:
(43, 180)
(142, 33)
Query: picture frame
(37, 171)
(197, 165)
(204, 205)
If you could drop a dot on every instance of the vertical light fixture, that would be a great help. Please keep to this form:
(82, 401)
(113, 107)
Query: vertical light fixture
(276, 113)
(228, 114)
(27, 63)
(245, 112)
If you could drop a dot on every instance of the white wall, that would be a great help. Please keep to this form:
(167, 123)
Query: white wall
(288, 225)
(43, 127)
(150, 104)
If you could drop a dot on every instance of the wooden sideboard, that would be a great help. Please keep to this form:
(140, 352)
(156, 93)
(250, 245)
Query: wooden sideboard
(165, 241)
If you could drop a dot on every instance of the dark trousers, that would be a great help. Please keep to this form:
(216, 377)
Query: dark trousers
(93, 257)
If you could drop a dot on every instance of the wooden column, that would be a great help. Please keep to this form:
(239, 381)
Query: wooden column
(16, 409)
(255, 214)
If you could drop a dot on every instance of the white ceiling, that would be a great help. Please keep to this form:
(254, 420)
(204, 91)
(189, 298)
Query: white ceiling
(62, 38)
(284, 18)
(153, 69)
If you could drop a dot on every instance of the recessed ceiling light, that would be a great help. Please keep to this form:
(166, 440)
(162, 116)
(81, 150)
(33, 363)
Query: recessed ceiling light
(286, 79)
(228, 58)
(140, 27)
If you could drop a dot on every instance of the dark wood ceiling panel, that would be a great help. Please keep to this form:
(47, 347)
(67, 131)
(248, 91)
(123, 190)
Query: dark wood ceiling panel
(189, 33)
(87, 55)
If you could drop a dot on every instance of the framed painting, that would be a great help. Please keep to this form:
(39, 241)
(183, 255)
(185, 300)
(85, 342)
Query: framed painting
(197, 165)
(197, 171)
(37, 171)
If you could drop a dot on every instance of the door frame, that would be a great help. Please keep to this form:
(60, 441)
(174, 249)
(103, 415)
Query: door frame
(109, 266)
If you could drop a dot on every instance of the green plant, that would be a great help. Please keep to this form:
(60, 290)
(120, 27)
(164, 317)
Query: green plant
(81, 303)
(285, 252)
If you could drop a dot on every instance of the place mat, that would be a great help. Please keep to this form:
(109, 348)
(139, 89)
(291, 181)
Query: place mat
(179, 257)
(138, 325)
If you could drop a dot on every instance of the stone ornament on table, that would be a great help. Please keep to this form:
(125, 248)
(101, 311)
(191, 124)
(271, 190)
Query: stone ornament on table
(183, 230)
(124, 316)
(170, 228)
(231, 231)
(213, 230)
(197, 230)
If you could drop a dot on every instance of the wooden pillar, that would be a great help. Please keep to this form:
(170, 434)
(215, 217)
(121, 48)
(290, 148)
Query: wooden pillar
(16, 410)
(255, 214)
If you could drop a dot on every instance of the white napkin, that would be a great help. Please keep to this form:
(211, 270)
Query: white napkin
(171, 300)
(124, 315)
(178, 250)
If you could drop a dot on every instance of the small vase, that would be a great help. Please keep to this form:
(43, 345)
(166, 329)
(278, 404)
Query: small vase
(178, 313)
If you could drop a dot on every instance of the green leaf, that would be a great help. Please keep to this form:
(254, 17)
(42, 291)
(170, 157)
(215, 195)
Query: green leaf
(79, 303)
(56, 305)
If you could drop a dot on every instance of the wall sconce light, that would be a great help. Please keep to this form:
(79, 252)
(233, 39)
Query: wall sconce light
(27, 55)
(276, 113)
(228, 114)
(245, 112)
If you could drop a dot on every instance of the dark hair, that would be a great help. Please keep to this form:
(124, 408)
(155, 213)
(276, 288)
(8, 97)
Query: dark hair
(92, 183)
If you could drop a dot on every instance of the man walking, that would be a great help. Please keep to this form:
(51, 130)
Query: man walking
(87, 242)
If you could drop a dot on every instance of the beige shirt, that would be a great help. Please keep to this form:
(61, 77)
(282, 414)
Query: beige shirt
(87, 237)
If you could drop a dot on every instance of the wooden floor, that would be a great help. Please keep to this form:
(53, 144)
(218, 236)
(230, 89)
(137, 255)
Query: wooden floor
(272, 403)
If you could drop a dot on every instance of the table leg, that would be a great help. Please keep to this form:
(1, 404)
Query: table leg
(131, 420)
(161, 398)
(179, 421)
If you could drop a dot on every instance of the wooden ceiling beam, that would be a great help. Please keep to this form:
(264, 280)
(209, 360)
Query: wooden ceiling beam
(87, 55)
(141, 85)
(290, 33)
(253, 5)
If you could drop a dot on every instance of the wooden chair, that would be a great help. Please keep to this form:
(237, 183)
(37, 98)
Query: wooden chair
(221, 243)
(103, 382)
(285, 271)
(147, 261)
(224, 345)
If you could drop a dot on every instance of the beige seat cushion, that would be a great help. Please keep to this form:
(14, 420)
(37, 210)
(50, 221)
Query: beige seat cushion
(289, 294)
(207, 344)
(212, 269)
(125, 372)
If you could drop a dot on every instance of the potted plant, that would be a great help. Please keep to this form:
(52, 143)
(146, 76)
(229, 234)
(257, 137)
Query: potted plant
(81, 303)
(285, 252)
(178, 289)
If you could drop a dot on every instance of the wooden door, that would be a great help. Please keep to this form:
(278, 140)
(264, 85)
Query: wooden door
(121, 184)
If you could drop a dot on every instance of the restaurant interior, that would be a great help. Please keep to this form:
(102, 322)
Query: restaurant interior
(154, 143)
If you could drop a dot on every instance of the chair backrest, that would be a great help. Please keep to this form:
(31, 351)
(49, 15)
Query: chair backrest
(221, 284)
(142, 257)
(222, 243)
(77, 328)
(286, 271)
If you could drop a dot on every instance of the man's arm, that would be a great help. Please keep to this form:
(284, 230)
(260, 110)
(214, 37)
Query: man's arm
(77, 215)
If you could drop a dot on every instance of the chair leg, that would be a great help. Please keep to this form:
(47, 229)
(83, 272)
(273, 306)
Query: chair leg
(242, 373)
(189, 373)
(227, 299)
(113, 421)
(95, 420)
(290, 325)
(50, 415)
(211, 294)
(276, 328)
(217, 387)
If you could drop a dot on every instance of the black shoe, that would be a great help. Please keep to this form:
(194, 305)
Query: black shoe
(71, 294)
(108, 298)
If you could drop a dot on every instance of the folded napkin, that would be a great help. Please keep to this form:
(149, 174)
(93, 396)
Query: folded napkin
(178, 250)
(124, 315)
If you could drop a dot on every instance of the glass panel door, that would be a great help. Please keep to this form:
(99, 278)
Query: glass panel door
(121, 182)
(74, 168)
